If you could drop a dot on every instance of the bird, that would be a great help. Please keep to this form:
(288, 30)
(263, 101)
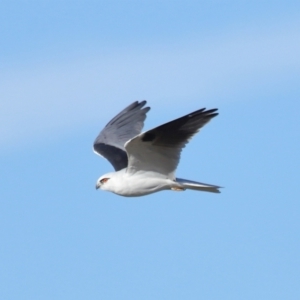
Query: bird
(146, 162)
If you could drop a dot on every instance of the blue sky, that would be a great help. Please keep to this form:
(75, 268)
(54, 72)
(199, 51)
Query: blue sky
(67, 67)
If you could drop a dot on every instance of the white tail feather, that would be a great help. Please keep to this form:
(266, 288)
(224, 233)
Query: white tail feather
(198, 186)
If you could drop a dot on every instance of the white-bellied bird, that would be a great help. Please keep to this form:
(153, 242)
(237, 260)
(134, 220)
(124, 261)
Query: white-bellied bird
(146, 162)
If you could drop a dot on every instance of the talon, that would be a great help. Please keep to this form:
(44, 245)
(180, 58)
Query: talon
(177, 189)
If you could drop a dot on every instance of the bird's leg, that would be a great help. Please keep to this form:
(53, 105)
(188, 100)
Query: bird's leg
(177, 188)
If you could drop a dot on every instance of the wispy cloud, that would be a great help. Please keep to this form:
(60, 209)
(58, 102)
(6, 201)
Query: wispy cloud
(46, 100)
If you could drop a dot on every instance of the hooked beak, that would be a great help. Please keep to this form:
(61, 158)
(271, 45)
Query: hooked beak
(97, 186)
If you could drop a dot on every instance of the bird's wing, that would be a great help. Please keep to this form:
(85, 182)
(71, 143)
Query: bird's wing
(124, 126)
(159, 149)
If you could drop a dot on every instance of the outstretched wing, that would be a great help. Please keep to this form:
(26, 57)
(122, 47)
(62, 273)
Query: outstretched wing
(159, 149)
(123, 127)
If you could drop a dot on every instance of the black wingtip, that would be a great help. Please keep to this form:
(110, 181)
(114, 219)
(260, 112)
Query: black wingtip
(142, 103)
(139, 104)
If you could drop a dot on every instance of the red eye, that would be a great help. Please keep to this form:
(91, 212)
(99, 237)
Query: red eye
(104, 180)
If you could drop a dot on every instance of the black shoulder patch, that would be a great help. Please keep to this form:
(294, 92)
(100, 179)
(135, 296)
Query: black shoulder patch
(148, 137)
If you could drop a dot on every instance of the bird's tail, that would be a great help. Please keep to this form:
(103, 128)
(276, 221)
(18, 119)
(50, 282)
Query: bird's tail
(198, 186)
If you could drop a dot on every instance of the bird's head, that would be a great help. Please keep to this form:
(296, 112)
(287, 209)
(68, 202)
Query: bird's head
(104, 182)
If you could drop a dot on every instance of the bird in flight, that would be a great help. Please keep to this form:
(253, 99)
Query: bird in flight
(146, 162)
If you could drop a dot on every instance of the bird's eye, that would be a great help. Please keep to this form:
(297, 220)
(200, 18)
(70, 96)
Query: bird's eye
(104, 180)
